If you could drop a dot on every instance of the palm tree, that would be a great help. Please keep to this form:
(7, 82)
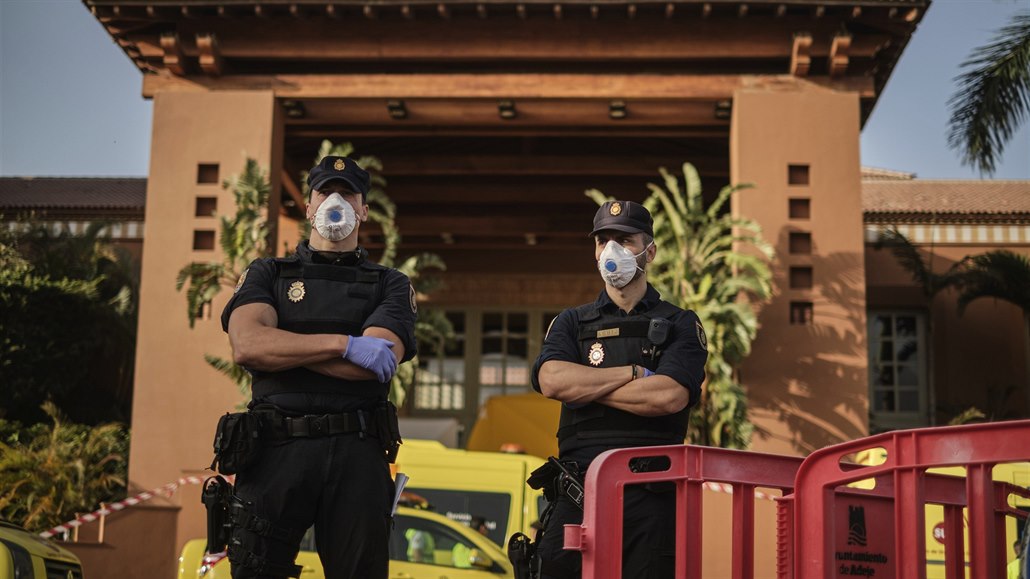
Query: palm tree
(715, 264)
(1003, 275)
(993, 98)
(931, 284)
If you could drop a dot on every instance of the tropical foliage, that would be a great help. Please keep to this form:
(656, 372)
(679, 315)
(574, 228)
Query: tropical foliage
(930, 282)
(69, 324)
(993, 97)
(1002, 275)
(49, 472)
(243, 237)
(999, 274)
(716, 264)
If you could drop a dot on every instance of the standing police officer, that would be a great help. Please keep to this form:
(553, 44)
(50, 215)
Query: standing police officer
(627, 367)
(322, 333)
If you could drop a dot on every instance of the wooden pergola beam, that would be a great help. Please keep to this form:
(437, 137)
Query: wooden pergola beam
(292, 189)
(210, 56)
(800, 57)
(287, 41)
(839, 55)
(512, 86)
(173, 58)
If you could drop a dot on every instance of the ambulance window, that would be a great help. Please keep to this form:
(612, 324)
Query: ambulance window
(461, 506)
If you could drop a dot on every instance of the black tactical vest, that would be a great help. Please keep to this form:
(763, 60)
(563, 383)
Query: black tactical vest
(316, 298)
(607, 340)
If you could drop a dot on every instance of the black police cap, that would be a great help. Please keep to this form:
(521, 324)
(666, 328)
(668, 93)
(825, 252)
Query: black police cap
(332, 168)
(625, 216)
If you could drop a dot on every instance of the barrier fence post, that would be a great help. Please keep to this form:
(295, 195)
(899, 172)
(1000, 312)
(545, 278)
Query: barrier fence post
(903, 481)
(743, 532)
(599, 537)
(954, 553)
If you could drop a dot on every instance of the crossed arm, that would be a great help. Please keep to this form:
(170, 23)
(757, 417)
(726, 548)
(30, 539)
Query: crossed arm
(576, 384)
(258, 344)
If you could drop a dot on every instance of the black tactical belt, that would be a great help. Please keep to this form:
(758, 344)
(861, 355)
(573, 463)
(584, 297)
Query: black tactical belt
(326, 424)
(318, 425)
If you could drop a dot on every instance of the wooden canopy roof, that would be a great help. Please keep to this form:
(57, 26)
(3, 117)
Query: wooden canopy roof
(681, 49)
(477, 106)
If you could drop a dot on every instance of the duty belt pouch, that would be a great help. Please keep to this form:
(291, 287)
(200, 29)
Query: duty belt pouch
(237, 442)
(388, 430)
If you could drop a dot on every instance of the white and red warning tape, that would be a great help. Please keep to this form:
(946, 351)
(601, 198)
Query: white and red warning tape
(168, 489)
(164, 490)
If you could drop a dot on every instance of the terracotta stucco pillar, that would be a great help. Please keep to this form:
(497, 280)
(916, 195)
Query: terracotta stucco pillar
(806, 378)
(199, 139)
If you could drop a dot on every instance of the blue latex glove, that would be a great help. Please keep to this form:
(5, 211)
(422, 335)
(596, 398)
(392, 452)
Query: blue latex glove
(372, 354)
(647, 372)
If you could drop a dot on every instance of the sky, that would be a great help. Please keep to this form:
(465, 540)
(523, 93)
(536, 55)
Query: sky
(70, 99)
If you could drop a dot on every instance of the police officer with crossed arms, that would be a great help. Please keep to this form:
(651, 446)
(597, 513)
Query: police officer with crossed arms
(322, 333)
(627, 367)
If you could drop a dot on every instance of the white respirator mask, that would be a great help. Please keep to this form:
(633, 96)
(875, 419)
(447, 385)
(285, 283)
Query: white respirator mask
(335, 218)
(617, 265)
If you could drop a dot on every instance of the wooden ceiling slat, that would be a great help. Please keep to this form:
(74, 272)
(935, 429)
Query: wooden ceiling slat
(352, 132)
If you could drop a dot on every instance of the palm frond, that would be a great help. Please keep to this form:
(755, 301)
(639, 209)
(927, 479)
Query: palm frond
(993, 97)
(999, 274)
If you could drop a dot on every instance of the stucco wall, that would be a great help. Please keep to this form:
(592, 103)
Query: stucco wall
(807, 383)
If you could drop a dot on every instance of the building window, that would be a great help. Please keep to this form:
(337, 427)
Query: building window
(797, 174)
(206, 207)
(801, 277)
(207, 173)
(801, 313)
(203, 240)
(897, 369)
(440, 382)
(504, 367)
(800, 208)
(800, 243)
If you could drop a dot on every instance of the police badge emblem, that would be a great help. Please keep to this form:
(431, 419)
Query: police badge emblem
(296, 291)
(615, 209)
(339, 165)
(239, 282)
(701, 337)
(596, 354)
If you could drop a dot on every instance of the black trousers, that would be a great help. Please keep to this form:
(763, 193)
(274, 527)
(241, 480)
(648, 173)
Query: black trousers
(648, 536)
(340, 484)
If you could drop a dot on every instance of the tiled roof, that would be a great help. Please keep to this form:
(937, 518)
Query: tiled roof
(945, 197)
(873, 173)
(125, 193)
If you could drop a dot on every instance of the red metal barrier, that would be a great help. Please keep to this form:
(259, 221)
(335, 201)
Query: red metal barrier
(903, 488)
(599, 538)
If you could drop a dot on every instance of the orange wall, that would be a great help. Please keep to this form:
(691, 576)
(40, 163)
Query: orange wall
(978, 356)
(807, 383)
(178, 397)
(138, 543)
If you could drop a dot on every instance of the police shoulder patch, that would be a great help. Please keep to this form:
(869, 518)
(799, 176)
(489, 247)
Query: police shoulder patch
(243, 278)
(549, 326)
(701, 337)
(412, 295)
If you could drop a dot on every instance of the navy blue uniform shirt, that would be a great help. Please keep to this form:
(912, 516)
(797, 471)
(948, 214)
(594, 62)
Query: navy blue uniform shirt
(395, 312)
(683, 359)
